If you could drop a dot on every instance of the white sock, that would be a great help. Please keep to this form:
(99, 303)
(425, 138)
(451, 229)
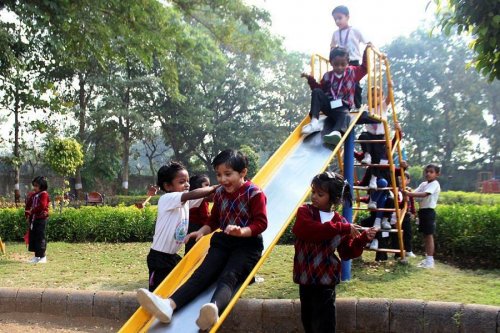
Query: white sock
(430, 258)
(314, 121)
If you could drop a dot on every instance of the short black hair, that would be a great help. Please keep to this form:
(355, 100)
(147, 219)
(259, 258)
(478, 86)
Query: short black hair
(196, 181)
(41, 181)
(341, 10)
(333, 183)
(167, 173)
(436, 168)
(339, 51)
(232, 158)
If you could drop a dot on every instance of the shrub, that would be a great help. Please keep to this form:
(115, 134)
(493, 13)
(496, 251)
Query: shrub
(458, 197)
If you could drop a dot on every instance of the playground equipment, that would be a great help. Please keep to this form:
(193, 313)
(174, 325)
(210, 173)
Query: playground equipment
(285, 179)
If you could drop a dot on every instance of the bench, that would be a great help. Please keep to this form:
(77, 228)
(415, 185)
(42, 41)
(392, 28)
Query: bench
(94, 198)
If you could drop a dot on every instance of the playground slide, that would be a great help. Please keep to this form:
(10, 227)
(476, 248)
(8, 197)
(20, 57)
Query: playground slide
(285, 179)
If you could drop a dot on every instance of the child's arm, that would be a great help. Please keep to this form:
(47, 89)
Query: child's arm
(205, 230)
(43, 204)
(308, 229)
(311, 81)
(416, 194)
(360, 71)
(198, 193)
(351, 247)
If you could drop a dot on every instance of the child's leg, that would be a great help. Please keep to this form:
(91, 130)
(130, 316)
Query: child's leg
(429, 245)
(159, 266)
(319, 102)
(40, 243)
(317, 304)
(407, 233)
(239, 264)
(191, 228)
(339, 117)
(358, 95)
(364, 136)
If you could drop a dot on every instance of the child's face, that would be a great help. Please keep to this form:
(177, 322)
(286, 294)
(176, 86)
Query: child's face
(341, 20)
(36, 187)
(430, 174)
(339, 64)
(376, 94)
(180, 183)
(229, 178)
(205, 183)
(320, 199)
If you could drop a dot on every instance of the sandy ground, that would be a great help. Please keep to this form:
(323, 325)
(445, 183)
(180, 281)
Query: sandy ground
(41, 323)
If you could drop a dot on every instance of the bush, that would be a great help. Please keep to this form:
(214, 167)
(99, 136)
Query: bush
(128, 200)
(86, 224)
(458, 197)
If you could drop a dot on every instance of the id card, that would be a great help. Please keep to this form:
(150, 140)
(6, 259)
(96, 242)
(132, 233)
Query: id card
(336, 103)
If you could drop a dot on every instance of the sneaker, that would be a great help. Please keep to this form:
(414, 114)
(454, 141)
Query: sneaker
(374, 244)
(367, 159)
(155, 305)
(372, 204)
(426, 264)
(313, 126)
(42, 260)
(209, 314)
(373, 183)
(34, 260)
(333, 138)
(385, 224)
(376, 224)
(410, 254)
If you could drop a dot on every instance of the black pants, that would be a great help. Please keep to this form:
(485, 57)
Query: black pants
(160, 264)
(407, 235)
(338, 119)
(191, 228)
(38, 241)
(358, 90)
(376, 150)
(317, 308)
(228, 262)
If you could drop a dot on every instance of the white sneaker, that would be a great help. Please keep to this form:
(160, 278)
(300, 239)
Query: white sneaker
(374, 244)
(209, 314)
(376, 223)
(372, 204)
(426, 264)
(313, 126)
(34, 260)
(410, 254)
(373, 183)
(367, 159)
(42, 260)
(333, 137)
(385, 224)
(155, 305)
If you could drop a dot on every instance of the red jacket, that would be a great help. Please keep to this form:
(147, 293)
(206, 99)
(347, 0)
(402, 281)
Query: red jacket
(40, 206)
(315, 262)
(199, 215)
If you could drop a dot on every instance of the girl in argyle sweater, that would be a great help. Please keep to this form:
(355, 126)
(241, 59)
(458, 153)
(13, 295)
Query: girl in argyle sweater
(239, 210)
(319, 231)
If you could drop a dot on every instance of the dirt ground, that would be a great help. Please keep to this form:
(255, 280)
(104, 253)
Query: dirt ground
(42, 323)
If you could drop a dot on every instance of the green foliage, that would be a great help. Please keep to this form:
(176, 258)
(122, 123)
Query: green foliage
(64, 156)
(253, 160)
(468, 198)
(86, 224)
(481, 19)
(469, 232)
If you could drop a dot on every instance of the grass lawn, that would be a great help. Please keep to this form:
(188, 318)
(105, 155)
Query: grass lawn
(104, 266)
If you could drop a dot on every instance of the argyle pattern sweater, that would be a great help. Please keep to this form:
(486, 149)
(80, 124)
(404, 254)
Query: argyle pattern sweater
(245, 207)
(315, 262)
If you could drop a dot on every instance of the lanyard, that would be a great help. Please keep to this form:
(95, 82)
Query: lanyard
(343, 44)
(339, 87)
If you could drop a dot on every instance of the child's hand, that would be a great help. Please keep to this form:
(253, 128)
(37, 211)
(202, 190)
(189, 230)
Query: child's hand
(305, 75)
(354, 230)
(195, 234)
(234, 230)
(371, 233)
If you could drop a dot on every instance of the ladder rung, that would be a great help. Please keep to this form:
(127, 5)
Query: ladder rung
(373, 165)
(367, 188)
(375, 210)
(381, 230)
(384, 250)
(370, 141)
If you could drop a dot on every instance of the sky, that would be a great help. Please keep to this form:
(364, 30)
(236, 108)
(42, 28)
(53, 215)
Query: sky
(307, 25)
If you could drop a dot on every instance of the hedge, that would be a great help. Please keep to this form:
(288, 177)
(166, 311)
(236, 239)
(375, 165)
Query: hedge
(458, 197)
(468, 232)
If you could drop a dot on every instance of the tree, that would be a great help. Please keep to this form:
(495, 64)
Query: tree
(443, 103)
(481, 19)
(253, 160)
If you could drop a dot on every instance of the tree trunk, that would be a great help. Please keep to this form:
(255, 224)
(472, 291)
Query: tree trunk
(17, 157)
(81, 130)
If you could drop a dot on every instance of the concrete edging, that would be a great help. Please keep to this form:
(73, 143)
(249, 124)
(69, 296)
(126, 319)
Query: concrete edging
(277, 316)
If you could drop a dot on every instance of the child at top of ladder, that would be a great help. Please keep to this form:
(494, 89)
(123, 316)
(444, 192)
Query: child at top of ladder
(349, 38)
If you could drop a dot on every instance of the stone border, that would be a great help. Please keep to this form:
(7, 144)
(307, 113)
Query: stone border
(277, 316)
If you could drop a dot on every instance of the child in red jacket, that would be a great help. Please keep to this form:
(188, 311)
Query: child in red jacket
(319, 231)
(38, 215)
